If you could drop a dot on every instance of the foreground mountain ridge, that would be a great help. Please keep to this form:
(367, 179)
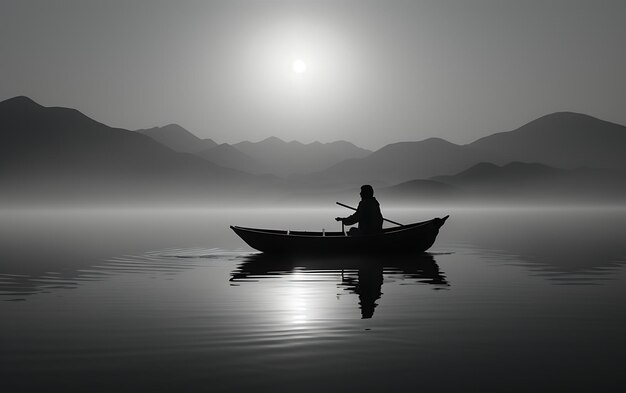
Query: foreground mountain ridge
(55, 152)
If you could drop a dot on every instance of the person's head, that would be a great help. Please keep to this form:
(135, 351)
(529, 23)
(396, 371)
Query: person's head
(367, 191)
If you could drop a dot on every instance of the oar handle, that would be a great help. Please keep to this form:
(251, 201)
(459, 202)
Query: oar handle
(350, 207)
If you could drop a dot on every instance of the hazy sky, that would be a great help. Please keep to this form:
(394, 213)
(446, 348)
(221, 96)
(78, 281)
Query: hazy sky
(376, 71)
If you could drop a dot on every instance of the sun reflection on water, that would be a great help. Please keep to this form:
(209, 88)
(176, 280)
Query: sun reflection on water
(296, 303)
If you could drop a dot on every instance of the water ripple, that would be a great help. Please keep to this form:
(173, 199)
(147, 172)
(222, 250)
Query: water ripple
(15, 287)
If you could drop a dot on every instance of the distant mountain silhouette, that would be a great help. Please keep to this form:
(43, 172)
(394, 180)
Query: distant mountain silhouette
(563, 140)
(417, 191)
(230, 157)
(269, 156)
(52, 151)
(287, 158)
(516, 182)
(488, 174)
(178, 139)
(528, 181)
(404, 161)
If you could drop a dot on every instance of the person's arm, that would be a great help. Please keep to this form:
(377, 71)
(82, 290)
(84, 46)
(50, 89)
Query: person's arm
(353, 219)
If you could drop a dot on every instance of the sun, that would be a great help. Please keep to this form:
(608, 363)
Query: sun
(299, 66)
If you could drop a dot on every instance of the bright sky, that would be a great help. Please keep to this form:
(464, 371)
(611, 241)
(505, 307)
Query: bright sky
(371, 72)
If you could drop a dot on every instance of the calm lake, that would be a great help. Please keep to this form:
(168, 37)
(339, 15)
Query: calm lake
(124, 300)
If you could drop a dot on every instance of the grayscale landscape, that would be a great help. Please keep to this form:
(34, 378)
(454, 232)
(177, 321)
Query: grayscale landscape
(178, 183)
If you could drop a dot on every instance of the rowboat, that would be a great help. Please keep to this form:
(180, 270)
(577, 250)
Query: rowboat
(417, 237)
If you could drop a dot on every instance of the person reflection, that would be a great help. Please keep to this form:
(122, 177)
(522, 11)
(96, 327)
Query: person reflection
(362, 275)
(367, 286)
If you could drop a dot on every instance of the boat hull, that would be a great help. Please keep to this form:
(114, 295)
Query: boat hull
(417, 237)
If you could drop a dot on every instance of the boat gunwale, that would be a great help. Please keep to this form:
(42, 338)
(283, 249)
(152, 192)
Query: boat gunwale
(285, 233)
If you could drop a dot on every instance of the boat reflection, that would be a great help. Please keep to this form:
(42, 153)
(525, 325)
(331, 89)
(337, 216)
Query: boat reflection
(360, 275)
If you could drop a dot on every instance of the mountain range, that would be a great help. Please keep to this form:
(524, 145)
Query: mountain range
(58, 153)
(269, 156)
(49, 152)
(562, 139)
(400, 162)
(515, 182)
(178, 139)
(294, 158)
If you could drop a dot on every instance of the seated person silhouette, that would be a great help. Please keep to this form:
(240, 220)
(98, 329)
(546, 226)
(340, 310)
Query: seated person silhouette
(368, 215)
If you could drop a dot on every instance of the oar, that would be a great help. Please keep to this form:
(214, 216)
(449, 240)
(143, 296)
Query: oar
(350, 207)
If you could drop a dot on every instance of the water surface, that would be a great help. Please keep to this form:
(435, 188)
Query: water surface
(171, 300)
